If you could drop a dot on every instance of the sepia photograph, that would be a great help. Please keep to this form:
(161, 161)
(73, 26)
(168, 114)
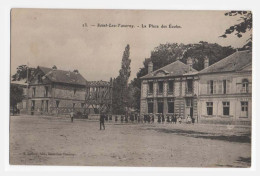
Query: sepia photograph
(131, 88)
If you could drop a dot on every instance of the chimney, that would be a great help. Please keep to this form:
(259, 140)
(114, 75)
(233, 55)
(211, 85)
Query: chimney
(206, 62)
(189, 63)
(150, 67)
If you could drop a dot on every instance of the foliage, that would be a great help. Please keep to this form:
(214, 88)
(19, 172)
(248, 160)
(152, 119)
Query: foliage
(16, 95)
(21, 73)
(120, 93)
(245, 18)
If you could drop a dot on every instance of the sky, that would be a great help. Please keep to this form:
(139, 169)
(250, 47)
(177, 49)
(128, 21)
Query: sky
(71, 39)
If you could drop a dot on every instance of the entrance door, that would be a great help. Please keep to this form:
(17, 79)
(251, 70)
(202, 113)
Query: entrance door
(244, 109)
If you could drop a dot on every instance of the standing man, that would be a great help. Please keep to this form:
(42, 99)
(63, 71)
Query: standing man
(102, 121)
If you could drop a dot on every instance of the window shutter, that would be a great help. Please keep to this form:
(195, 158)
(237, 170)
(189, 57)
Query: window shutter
(214, 87)
(220, 85)
(208, 86)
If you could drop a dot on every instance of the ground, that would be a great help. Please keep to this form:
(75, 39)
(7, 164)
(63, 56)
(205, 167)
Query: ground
(56, 141)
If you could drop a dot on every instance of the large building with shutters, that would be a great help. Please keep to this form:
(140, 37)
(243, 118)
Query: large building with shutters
(221, 91)
(172, 89)
(225, 89)
(55, 92)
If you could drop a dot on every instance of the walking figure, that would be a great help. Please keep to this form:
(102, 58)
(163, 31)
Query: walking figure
(175, 118)
(168, 118)
(163, 118)
(152, 118)
(159, 118)
(102, 121)
(116, 118)
(192, 120)
(72, 116)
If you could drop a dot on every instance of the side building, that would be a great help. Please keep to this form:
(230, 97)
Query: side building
(225, 89)
(172, 89)
(56, 92)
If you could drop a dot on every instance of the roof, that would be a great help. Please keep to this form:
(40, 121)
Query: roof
(98, 83)
(234, 62)
(176, 68)
(61, 76)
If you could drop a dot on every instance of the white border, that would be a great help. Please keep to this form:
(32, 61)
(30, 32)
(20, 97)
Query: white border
(6, 5)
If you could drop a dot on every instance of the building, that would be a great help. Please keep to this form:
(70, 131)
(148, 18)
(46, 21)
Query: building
(99, 97)
(172, 89)
(222, 91)
(56, 92)
(225, 88)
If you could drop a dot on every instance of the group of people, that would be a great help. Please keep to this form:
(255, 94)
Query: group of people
(147, 118)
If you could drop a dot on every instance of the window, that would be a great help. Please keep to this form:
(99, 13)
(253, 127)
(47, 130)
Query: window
(224, 86)
(46, 91)
(189, 85)
(33, 92)
(211, 87)
(160, 105)
(245, 86)
(82, 105)
(225, 108)
(170, 86)
(209, 108)
(150, 105)
(160, 85)
(189, 102)
(57, 103)
(39, 79)
(150, 87)
(244, 106)
(171, 105)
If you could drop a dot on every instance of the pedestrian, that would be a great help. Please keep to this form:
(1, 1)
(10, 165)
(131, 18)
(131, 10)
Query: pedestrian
(149, 118)
(110, 117)
(159, 118)
(71, 116)
(172, 118)
(163, 118)
(192, 120)
(106, 117)
(145, 117)
(116, 118)
(102, 121)
(168, 118)
(175, 118)
(179, 119)
(152, 118)
(136, 117)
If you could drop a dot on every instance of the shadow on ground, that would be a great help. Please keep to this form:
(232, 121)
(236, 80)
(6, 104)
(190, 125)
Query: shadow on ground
(243, 138)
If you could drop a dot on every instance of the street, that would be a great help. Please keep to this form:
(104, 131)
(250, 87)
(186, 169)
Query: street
(38, 140)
